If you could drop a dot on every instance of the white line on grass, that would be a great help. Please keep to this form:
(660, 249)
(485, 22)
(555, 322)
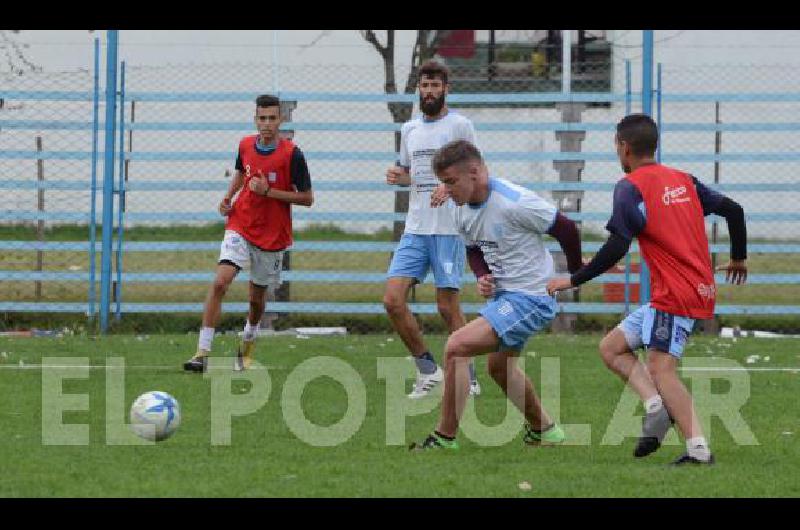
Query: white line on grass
(737, 369)
(103, 367)
(174, 369)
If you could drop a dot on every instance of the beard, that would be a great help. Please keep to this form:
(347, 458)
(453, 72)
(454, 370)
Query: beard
(431, 107)
(626, 169)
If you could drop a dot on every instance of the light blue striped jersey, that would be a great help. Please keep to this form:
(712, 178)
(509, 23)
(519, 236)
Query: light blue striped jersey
(508, 228)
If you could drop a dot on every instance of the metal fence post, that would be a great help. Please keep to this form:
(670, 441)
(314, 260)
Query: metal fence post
(108, 177)
(568, 201)
(712, 327)
(628, 255)
(40, 222)
(283, 292)
(121, 194)
(93, 210)
(647, 108)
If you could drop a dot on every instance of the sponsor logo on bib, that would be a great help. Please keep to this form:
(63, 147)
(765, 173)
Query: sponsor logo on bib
(674, 195)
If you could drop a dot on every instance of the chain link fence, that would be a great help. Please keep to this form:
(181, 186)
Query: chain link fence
(45, 177)
(344, 125)
(737, 127)
(182, 125)
(744, 131)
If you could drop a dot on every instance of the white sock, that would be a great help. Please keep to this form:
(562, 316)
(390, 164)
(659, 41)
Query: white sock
(206, 336)
(698, 448)
(654, 404)
(249, 330)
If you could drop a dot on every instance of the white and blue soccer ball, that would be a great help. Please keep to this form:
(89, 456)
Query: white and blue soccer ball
(155, 416)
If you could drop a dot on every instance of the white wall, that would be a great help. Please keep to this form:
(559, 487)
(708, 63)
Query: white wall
(692, 59)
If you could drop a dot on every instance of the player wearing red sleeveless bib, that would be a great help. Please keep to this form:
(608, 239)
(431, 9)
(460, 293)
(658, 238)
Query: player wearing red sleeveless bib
(664, 208)
(272, 174)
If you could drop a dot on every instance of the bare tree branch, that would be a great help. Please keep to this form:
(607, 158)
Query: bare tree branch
(387, 53)
(369, 36)
(15, 55)
(426, 46)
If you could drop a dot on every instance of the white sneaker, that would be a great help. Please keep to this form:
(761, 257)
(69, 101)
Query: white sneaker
(425, 383)
(475, 388)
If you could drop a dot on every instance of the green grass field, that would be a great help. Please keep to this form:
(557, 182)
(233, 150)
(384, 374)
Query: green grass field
(266, 459)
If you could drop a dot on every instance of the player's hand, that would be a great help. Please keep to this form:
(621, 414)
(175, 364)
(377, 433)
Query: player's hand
(225, 206)
(486, 286)
(258, 184)
(735, 271)
(558, 284)
(397, 175)
(439, 196)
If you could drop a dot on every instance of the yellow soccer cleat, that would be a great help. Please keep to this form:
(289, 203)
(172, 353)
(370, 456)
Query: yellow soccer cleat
(244, 355)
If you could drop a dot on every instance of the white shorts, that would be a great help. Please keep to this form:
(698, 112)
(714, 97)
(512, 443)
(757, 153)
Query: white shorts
(265, 266)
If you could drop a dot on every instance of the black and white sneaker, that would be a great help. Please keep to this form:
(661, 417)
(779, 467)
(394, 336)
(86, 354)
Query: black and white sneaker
(686, 458)
(654, 428)
(198, 362)
(425, 383)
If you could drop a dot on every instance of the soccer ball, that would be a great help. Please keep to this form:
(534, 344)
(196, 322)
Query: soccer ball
(155, 416)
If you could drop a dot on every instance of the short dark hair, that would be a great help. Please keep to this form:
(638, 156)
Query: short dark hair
(640, 132)
(267, 100)
(455, 152)
(433, 69)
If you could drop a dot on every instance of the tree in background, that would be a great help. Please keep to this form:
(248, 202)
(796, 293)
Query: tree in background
(13, 50)
(425, 47)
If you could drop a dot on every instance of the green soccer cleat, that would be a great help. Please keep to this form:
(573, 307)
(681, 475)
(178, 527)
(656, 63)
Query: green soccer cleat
(434, 441)
(553, 435)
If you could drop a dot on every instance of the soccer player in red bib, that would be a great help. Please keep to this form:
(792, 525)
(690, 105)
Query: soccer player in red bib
(664, 208)
(272, 174)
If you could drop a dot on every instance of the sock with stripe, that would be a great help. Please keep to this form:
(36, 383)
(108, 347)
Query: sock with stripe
(425, 363)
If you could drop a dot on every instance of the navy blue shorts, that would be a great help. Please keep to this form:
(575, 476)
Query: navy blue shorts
(656, 329)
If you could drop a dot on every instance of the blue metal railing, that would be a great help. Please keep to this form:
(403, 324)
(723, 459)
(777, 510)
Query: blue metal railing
(108, 177)
(92, 246)
(360, 97)
(48, 125)
(363, 308)
(121, 195)
(336, 246)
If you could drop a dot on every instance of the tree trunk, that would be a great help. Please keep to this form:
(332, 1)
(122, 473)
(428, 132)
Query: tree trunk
(424, 49)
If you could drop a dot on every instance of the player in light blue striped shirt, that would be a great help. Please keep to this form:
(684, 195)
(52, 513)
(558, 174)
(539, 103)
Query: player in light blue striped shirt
(502, 225)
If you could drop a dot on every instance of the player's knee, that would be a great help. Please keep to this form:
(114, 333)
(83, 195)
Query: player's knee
(220, 286)
(455, 348)
(607, 352)
(659, 370)
(448, 310)
(393, 303)
(610, 350)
